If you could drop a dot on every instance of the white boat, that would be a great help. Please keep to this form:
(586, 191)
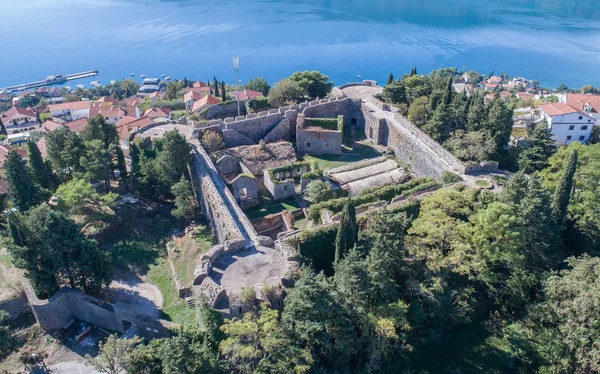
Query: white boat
(162, 75)
(358, 75)
(168, 78)
(113, 82)
(132, 74)
(143, 76)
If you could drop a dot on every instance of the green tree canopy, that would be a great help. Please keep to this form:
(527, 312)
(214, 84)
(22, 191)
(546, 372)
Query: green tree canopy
(312, 83)
(259, 84)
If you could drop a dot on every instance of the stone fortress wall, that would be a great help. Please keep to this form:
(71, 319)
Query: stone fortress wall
(68, 304)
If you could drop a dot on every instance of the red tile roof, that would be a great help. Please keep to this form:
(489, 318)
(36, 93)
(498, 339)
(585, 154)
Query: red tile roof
(206, 100)
(74, 105)
(557, 109)
(125, 125)
(200, 85)
(158, 112)
(525, 95)
(245, 95)
(51, 125)
(105, 99)
(192, 95)
(112, 111)
(4, 149)
(78, 125)
(14, 111)
(579, 101)
(41, 144)
(132, 101)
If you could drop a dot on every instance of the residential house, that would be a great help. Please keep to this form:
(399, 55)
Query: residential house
(77, 126)
(5, 97)
(127, 125)
(200, 85)
(205, 102)
(244, 95)
(113, 113)
(18, 120)
(191, 97)
(52, 125)
(157, 112)
(567, 124)
(105, 100)
(494, 79)
(71, 111)
(586, 102)
(489, 86)
(4, 149)
(132, 101)
(156, 96)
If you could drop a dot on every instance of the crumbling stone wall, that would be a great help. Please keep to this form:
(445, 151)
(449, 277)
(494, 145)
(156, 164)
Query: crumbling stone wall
(224, 110)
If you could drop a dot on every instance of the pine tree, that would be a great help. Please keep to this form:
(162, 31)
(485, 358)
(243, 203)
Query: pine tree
(21, 188)
(216, 86)
(562, 194)
(223, 93)
(413, 71)
(541, 147)
(38, 168)
(120, 160)
(390, 79)
(347, 233)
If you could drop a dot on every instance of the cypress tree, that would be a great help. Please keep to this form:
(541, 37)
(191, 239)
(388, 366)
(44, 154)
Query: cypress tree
(223, 93)
(134, 153)
(413, 71)
(216, 86)
(448, 93)
(562, 194)
(13, 229)
(21, 188)
(210, 92)
(347, 233)
(390, 79)
(120, 160)
(38, 168)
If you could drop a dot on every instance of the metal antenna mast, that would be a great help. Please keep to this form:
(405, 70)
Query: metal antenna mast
(236, 66)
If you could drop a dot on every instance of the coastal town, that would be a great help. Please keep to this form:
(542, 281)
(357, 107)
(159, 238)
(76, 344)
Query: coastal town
(139, 211)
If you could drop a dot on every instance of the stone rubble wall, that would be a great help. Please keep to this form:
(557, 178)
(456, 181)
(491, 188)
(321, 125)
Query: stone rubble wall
(15, 306)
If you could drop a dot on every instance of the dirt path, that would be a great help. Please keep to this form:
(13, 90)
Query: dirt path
(130, 291)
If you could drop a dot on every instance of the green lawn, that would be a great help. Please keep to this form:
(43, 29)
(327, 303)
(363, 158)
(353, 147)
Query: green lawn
(470, 350)
(186, 256)
(483, 183)
(174, 308)
(269, 206)
(356, 153)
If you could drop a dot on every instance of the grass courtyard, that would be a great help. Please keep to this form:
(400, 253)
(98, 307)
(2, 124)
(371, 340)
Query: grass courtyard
(356, 152)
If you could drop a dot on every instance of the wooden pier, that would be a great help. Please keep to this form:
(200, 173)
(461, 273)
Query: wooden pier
(57, 79)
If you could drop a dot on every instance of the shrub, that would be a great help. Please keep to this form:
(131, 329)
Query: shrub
(248, 295)
(318, 191)
(212, 141)
(449, 177)
(317, 247)
(500, 180)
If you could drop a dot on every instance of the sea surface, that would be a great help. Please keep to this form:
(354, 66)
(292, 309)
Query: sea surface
(552, 41)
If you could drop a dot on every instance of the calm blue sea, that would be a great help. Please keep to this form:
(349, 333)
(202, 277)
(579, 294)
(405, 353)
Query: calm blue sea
(552, 41)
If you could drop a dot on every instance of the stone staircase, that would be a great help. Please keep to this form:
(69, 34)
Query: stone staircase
(191, 302)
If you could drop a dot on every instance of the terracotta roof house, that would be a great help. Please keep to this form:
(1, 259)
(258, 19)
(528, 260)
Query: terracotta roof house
(566, 123)
(490, 86)
(71, 111)
(5, 97)
(18, 120)
(113, 113)
(205, 102)
(158, 113)
(105, 100)
(126, 125)
(495, 79)
(77, 126)
(200, 85)
(4, 149)
(191, 97)
(245, 95)
(132, 101)
(51, 125)
(155, 96)
(525, 95)
(586, 102)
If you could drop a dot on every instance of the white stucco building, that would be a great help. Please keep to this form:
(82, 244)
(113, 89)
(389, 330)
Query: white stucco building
(567, 124)
(71, 111)
(19, 120)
